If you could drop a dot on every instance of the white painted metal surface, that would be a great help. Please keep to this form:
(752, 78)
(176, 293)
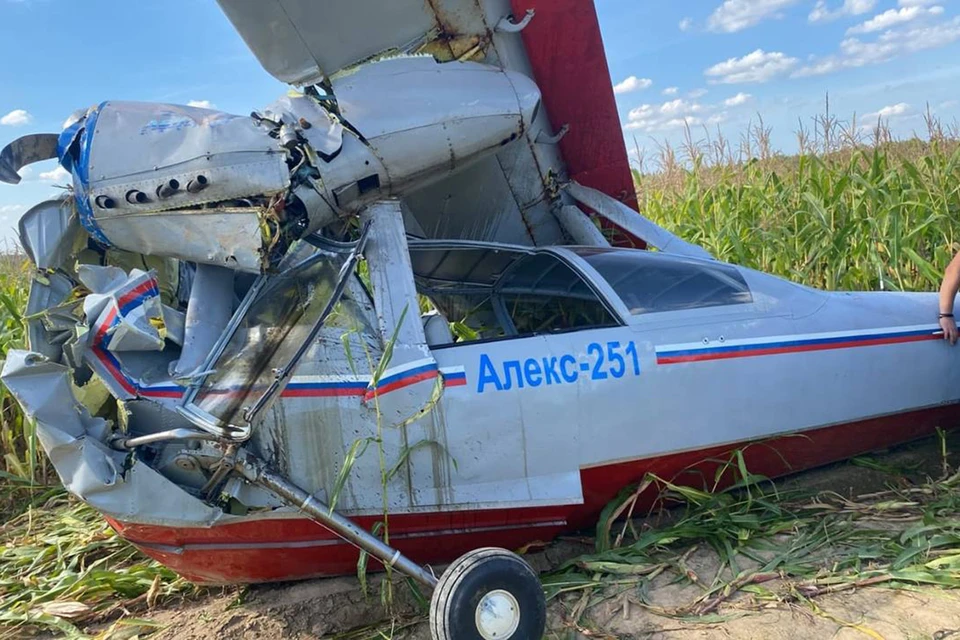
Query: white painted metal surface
(498, 615)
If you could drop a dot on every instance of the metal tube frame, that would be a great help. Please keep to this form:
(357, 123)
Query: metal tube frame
(161, 436)
(255, 470)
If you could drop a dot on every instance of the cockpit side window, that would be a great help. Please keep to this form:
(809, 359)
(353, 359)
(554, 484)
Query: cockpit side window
(541, 294)
(655, 282)
(470, 315)
(492, 294)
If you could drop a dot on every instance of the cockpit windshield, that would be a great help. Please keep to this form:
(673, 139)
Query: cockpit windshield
(650, 282)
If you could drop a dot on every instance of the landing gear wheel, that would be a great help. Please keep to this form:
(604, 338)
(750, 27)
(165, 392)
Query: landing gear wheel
(488, 594)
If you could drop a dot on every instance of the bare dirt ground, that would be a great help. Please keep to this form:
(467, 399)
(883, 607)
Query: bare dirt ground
(336, 608)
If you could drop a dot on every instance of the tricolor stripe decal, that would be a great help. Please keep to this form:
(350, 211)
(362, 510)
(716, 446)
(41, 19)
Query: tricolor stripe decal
(137, 295)
(454, 376)
(699, 352)
(403, 376)
(300, 386)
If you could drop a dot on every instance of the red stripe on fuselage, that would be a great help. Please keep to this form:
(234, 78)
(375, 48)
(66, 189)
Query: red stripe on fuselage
(324, 392)
(286, 549)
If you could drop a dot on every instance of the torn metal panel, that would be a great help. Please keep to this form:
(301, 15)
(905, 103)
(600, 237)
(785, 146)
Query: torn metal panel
(124, 312)
(43, 389)
(51, 317)
(175, 324)
(230, 237)
(632, 222)
(24, 151)
(124, 339)
(50, 233)
(343, 183)
(173, 276)
(131, 375)
(208, 314)
(323, 131)
(109, 481)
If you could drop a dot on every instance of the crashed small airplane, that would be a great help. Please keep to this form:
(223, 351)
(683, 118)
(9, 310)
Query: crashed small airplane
(412, 254)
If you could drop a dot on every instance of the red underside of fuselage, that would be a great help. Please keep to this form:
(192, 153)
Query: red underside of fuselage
(291, 549)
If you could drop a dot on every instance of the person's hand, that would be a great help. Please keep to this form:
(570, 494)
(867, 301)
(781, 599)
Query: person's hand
(949, 326)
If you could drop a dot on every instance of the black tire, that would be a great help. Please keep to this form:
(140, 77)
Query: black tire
(504, 582)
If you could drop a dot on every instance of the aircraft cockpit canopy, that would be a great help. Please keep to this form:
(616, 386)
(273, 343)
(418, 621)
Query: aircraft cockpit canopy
(489, 292)
(655, 282)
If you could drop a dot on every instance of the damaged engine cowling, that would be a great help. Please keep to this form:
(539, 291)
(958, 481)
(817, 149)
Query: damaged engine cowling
(234, 191)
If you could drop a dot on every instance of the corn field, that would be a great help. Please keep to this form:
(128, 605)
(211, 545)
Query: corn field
(846, 213)
(843, 215)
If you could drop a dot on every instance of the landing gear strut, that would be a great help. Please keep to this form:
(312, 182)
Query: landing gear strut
(488, 594)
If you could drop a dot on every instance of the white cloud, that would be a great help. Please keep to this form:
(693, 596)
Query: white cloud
(680, 106)
(891, 44)
(894, 17)
(821, 13)
(16, 118)
(671, 91)
(202, 104)
(56, 175)
(949, 104)
(669, 115)
(697, 93)
(916, 3)
(891, 111)
(633, 83)
(685, 24)
(736, 15)
(857, 7)
(737, 100)
(758, 66)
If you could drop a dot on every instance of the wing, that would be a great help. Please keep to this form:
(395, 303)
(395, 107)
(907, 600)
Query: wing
(514, 196)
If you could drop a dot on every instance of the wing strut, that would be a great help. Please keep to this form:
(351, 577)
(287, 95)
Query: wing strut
(633, 223)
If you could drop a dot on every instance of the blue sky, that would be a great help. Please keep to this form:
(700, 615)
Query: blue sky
(716, 62)
(700, 62)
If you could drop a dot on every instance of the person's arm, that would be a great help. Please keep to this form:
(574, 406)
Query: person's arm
(948, 292)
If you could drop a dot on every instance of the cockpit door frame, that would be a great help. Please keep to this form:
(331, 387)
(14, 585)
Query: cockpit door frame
(282, 375)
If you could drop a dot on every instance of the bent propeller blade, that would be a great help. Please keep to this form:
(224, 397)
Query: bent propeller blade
(26, 150)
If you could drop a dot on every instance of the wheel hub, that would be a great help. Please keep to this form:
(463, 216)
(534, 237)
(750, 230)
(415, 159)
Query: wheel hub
(498, 615)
